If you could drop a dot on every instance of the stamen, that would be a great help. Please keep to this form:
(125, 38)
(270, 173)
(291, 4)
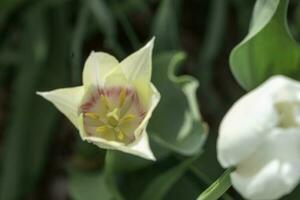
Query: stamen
(91, 115)
(120, 135)
(122, 97)
(127, 118)
(104, 101)
(102, 129)
(113, 114)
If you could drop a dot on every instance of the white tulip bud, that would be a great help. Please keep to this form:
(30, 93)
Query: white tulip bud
(260, 137)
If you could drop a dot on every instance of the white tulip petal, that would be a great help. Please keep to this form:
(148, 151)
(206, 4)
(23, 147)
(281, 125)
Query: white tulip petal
(96, 67)
(116, 77)
(153, 103)
(67, 100)
(138, 66)
(266, 184)
(273, 170)
(244, 126)
(282, 88)
(139, 148)
(260, 136)
(252, 117)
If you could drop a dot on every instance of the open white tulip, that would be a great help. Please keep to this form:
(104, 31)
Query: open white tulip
(113, 106)
(260, 137)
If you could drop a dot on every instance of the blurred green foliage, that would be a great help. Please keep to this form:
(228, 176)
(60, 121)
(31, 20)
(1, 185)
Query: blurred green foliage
(43, 45)
(261, 54)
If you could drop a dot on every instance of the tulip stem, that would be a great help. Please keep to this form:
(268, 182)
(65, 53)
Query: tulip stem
(218, 188)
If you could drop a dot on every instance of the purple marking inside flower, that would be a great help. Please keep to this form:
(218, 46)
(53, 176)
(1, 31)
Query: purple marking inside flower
(113, 113)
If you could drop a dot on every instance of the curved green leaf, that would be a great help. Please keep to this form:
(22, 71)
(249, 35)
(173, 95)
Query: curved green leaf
(176, 124)
(268, 49)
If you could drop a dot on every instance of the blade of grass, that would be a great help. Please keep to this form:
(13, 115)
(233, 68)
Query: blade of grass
(218, 188)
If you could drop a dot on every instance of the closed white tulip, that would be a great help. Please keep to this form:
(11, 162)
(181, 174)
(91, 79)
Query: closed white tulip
(113, 106)
(260, 137)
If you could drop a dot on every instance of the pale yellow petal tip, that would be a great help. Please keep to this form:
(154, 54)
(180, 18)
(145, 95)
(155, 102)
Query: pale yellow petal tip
(42, 94)
(147, 155)
(45, 95)
(150, 44)
(152, 157)
(140, 148)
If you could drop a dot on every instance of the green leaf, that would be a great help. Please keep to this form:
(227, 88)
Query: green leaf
(165, 25)
(85, 185)
(176, 123)
(205, 178)
(218, 188)
(268, 49)
(160, 186)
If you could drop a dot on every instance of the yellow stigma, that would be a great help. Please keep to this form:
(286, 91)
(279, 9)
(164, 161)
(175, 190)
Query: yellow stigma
(113, 117)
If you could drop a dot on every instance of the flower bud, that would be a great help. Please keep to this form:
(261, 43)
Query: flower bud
(260, 137)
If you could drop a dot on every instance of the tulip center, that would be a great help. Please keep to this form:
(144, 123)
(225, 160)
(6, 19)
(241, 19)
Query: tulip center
(113, 114)
(289, 114)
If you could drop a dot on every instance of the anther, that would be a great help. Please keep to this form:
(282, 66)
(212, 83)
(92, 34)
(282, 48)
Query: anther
(127, 118)
(102, 129)
(121, 135)
(122, 97)
(104, 102)
(91, 115)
